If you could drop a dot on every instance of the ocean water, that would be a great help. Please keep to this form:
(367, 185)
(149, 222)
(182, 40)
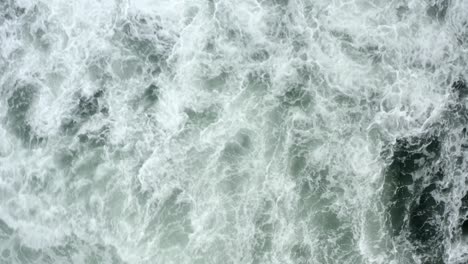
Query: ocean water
(219, 132)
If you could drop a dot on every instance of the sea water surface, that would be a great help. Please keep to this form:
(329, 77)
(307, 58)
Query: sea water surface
(221, 131)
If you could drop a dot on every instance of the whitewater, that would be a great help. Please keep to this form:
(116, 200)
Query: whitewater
(221, 131)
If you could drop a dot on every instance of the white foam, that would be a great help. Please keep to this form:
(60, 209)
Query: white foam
(229, 164)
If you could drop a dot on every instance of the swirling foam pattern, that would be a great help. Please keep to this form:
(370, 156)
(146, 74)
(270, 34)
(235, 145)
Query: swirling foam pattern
(219, 131)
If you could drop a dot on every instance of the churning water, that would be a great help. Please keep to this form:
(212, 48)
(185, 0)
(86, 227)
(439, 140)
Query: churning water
(221, 131)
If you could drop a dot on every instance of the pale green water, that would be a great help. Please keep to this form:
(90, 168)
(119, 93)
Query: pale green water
(232, 131)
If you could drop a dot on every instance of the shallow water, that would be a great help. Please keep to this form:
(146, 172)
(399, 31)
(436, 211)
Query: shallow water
(214, 131)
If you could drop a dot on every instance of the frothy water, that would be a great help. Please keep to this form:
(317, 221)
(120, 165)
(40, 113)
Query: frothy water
(215, 131)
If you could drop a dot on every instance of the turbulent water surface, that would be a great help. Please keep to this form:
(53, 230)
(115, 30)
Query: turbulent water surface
(220, 131)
